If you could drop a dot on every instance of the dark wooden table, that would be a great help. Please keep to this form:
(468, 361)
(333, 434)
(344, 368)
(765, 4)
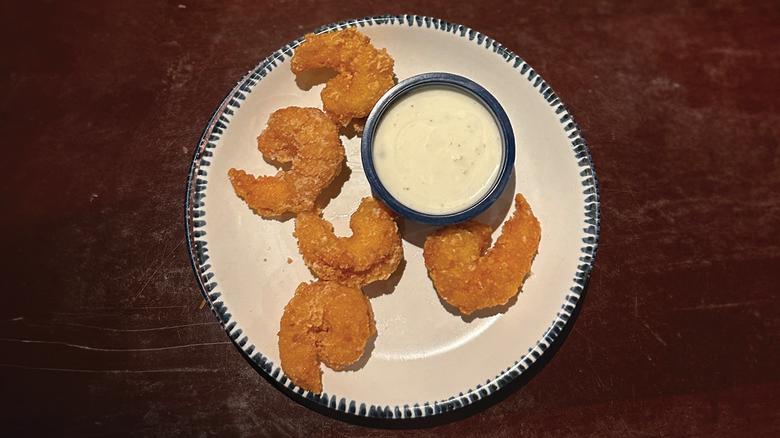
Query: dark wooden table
(103, 331)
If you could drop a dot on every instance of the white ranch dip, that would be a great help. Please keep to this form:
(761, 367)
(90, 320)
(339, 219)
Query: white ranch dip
(437, 150)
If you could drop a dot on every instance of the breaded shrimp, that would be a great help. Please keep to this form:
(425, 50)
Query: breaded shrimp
(372, 253)
(309, 140)
(324, 322)
(471, 277)
(364, 72)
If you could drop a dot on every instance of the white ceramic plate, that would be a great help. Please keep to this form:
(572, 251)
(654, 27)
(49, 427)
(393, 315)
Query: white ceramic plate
(425, 360)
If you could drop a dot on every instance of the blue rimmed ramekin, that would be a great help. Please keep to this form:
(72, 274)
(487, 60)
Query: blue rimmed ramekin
(463, 84)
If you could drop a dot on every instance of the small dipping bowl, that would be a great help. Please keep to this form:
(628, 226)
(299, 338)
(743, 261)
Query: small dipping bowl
(494, 184)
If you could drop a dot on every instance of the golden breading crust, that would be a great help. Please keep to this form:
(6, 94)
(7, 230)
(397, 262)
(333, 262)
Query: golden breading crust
(323, 322)
(372, 253)
(471, 279)
(365, 73)
(309, 140)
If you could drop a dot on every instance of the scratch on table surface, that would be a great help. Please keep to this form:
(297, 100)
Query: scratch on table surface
(86, 347)
(110, 329)
(723, 305)
(148, 307)
(636, 306)
(595, 373)
(656, 335)
(626, 430)
(79, 370)
(591, 344)
(157, 269)
(112, 309)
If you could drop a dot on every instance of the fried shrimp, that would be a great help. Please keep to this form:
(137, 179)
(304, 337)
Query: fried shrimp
(324, 322)
(308, 140)
(471, 277)
(365, 73)
(372, 253)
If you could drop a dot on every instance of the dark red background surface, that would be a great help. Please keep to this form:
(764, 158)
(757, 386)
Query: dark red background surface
(101, 105)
